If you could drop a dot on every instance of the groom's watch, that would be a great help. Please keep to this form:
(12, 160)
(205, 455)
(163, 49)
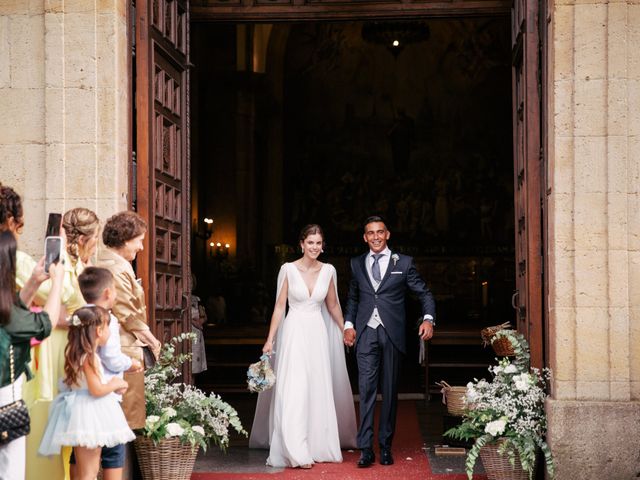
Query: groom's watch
(429, 318)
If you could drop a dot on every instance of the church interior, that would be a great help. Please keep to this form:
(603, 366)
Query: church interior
(328, 123)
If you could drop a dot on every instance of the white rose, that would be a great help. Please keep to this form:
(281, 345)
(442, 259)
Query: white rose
(511, 369)
(151, 419)
(522, 382)
(497, 369)
(495, 428)
(174, 430)
(198, 429)
(170, 412)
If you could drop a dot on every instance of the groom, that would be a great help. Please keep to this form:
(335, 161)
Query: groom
(376, 306)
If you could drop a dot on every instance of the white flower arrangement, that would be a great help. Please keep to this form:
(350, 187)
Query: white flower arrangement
(395, 257)
(178, 410)
(509, 408)
(174, 430)
(260, 376)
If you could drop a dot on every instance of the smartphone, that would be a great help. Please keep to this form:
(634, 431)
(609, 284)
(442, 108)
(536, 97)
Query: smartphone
(52, 251)
(53, 225)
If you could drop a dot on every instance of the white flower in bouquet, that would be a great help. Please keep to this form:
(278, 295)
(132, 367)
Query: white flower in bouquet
(495, 428)
(522, 382)
(198, 429)
(174, 430)
(169, 412)
(511, 368)
(151, 420)
(471, 394)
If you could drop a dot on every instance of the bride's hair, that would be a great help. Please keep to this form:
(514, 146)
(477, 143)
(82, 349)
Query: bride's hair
(311, 229)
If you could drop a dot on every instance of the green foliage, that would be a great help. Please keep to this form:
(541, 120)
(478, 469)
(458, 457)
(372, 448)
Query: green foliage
(184, 411)
(508, 411)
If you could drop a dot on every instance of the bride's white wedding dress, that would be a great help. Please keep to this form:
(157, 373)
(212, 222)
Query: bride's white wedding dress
(309, 413)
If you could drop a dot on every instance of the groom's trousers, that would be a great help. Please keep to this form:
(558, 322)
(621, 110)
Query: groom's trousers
(378, 360)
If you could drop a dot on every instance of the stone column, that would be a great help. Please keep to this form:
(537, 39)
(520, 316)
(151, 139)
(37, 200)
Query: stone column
(594, 238)
(65, 99)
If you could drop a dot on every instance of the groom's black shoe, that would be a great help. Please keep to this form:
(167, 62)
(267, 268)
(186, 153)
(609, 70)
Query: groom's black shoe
(385, 456)
(366, 458)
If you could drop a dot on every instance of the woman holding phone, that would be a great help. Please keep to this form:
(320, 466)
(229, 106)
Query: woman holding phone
(21, 325)
(38, 392)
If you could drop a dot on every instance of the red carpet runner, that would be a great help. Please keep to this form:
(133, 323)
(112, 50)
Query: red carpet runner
(410, 461)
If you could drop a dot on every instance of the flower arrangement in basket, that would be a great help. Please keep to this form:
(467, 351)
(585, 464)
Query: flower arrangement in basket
(508, 414)
(181, 410)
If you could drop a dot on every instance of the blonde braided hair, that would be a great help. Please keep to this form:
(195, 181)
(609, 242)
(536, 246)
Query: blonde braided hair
(79, 222)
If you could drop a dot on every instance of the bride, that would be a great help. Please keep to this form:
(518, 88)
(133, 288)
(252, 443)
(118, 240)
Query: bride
(309, 414)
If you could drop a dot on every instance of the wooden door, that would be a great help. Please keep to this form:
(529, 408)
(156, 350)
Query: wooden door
(162, 157)
(528, 170)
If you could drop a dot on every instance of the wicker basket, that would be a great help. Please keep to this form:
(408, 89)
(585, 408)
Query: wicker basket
(167, 460)
(497, 467)
(453, 398)
(501, 346)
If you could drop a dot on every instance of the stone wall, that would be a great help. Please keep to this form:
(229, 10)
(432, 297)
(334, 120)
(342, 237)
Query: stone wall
(594, 238)
(64, 99)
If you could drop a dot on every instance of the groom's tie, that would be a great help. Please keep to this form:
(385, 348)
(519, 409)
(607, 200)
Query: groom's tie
(375, 269)
(375, 321)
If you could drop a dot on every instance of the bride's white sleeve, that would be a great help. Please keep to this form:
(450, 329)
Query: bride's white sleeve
(342, 395)
(263, 418)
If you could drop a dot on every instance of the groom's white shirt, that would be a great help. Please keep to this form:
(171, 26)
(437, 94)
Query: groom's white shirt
(375, 319)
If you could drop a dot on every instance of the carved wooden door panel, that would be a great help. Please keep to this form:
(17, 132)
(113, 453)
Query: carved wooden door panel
(528, 163)
(162, 79)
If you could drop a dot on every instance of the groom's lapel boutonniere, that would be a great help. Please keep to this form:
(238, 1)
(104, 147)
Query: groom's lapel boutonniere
(395, 257)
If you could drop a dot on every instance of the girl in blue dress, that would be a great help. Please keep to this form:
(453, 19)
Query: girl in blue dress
(86, 414)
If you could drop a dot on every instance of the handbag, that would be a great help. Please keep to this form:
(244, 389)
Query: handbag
(149, 358)
(14, 418)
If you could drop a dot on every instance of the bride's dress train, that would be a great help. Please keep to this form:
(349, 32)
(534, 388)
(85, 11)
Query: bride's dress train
(309, 413)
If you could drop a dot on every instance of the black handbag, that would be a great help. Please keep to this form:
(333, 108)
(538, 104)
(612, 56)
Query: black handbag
(14, 418)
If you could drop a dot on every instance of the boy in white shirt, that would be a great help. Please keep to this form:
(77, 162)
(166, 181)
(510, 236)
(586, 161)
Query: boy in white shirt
(97, 287)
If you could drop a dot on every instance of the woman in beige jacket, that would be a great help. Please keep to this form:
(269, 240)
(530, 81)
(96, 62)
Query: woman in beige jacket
(122, 236)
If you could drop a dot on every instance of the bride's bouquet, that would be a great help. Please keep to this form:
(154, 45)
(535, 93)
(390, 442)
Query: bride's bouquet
(260, 376)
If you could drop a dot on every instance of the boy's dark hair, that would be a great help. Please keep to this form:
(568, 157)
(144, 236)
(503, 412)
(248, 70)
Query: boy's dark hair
(371, 219)
(93, 281)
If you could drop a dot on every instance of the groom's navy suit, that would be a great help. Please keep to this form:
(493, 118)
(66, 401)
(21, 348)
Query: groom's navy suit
(379, 350)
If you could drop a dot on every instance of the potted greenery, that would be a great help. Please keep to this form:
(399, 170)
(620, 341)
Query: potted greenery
(180, 419)
(505, 417)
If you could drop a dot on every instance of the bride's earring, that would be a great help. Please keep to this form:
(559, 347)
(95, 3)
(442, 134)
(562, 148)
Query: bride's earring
(302, 248)
(321, 251)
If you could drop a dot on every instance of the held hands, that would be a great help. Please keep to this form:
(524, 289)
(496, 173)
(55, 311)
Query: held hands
(426, 330)
(349, 337)
(268, 347)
